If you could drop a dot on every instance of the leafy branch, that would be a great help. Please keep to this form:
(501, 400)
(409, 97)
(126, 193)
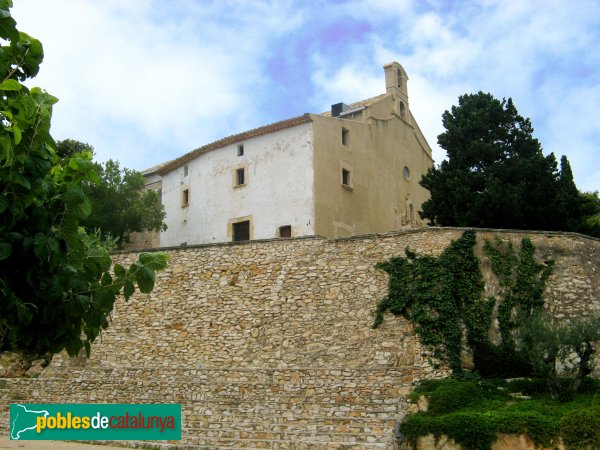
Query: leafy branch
(56, 283)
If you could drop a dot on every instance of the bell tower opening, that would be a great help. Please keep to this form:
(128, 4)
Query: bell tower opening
(396, 81)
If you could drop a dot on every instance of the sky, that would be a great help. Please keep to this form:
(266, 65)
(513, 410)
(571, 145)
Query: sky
(145, 81)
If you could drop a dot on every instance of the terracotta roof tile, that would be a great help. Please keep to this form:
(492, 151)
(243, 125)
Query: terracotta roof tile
(154, 169)
(175, 163)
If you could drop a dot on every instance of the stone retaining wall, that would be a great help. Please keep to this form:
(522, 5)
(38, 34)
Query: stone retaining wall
(269, 344)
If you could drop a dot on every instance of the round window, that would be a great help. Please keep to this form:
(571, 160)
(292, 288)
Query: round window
(406, 172)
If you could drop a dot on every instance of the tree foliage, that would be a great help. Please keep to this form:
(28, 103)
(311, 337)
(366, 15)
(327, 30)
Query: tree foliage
(590, 211)
(496, 175)
(56, 284)
(70, 147)
(547, 345)
(121, 205)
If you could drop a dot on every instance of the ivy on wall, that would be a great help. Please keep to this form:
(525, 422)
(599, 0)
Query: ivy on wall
(522, 281)
(443, 298)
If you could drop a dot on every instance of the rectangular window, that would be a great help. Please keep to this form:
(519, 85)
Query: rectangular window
(240, 150)
(185, 171)
(185, 197)
(240, 177)
(241, 231)
(346, 177)
(345, 136)
(159, 195)
(285, 231)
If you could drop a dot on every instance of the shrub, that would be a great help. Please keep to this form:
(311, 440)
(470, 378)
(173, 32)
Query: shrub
(579, 429)
(478, 430)
(472, 431)
(528, 386)
(454, 395)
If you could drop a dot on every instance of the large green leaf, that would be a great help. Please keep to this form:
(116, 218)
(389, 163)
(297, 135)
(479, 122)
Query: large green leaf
(8, 29)
(42, 98)
(105, 299)
(145, 278)
(24, 109)
(17, 134)
(44, 245)
(6, 151)
(10, 85)
(4, 8)
(100, 258)
(32, 55)
(21, 181)
(156, 261)
(128, 289)
(84, 208)
(106, 279)
(120, 271)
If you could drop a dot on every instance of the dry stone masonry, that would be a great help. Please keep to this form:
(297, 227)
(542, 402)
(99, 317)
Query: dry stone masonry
(269, 344)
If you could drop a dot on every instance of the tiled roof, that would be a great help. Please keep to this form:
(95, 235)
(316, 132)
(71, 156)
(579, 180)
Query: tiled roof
(175, 163)
(178, 162)
(154, 169)
(366, 103)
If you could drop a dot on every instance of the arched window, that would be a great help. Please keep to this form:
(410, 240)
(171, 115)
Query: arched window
(402, 110)
(399, 76)
(406, 173)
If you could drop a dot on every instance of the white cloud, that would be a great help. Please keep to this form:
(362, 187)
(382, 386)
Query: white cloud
(145, 81)
(509, 48)
(346, 84)
(166, 77)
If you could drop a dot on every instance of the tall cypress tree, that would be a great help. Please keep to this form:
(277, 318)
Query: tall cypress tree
(496, 175)
(568, 198)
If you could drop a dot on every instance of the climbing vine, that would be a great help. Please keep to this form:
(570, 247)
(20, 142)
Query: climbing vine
(521, 281)
(443, 298)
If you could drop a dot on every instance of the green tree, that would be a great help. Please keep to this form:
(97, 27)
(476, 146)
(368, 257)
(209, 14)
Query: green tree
(56, 283)
(496, 175)
(590, 212)
(69, 147)
(568, 199)
(121, 205)
(547, 345)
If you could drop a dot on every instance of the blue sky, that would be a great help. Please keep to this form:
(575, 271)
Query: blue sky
(145, 81)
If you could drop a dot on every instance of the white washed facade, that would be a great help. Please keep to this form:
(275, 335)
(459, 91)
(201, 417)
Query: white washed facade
(277, 190)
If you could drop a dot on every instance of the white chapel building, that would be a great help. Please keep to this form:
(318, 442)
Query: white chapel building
(352, 170)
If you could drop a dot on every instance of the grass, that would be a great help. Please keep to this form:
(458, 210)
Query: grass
(474, 412)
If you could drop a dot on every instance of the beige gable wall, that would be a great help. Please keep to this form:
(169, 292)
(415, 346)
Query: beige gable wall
(378, 149)
(383, 138)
